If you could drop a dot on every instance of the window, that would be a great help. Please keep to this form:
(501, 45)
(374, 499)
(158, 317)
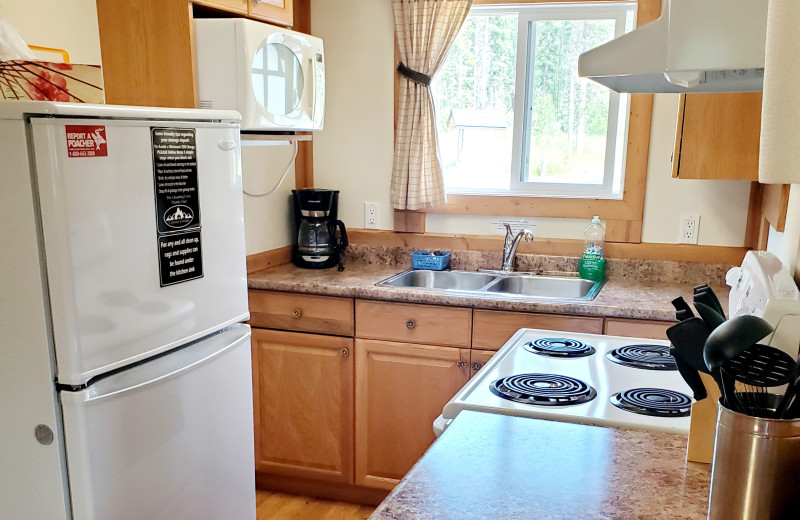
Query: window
(513, 118)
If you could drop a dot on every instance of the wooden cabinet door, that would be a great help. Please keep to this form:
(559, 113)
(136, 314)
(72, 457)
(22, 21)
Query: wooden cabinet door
(276, 11)
(303, 400)
(400, 389)
(718, 136)
(478, 358)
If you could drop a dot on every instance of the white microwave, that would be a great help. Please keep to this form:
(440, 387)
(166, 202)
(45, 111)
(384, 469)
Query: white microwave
(273, 76)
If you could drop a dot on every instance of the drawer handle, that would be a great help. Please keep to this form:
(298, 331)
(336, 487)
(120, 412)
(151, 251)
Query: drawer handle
(476, 366)
(462, 364)
(410, 324)
(297, 313)
(344, 353)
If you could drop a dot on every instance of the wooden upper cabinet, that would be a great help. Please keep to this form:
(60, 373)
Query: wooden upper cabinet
(718, 136)
(233, 6)
(303, 405)
(147, 52)
(275, 11)
(400, 390)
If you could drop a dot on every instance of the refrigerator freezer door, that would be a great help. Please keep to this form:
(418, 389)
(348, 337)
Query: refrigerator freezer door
(102, 244)
(170, 439)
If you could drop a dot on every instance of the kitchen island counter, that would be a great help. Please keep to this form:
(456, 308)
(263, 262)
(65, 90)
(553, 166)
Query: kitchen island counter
(496, 466)
(619, 297)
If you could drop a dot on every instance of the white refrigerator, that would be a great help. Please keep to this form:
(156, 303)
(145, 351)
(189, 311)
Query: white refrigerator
(125, 375)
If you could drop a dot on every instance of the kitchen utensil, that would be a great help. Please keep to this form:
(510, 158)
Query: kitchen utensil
(689, 337)
(754, 370)
(700, 288)
(711, 317)
(786, 408)
(728, 341)
(708, 297)
(732, 337)
(690, 375)
(682, 309)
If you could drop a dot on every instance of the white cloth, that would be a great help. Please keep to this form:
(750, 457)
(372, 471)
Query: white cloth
(425, 29)
(779, 159)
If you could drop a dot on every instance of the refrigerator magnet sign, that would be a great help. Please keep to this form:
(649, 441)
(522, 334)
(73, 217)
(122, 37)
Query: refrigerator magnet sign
(177, 205)
(86, 141)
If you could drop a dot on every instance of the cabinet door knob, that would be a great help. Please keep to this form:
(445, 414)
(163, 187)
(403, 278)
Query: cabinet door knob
(410, 324)
(462, 364)
(344, 353)
(258, 2)
(476, 366)
(297, 313)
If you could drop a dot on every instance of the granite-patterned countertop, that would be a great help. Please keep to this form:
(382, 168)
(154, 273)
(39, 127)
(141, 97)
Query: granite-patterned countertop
(620, 298)
(495, 466)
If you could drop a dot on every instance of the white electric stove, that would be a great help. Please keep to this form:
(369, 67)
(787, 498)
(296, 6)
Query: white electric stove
(590, 388)
(580, 378)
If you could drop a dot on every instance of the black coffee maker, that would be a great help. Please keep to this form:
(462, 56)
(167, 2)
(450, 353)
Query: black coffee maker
(320, 238)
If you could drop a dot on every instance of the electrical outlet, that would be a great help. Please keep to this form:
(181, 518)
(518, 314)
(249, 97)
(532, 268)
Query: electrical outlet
(371, 211)
(690, 224)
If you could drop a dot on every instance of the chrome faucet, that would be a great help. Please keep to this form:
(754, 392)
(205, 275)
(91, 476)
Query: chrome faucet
(510, 246)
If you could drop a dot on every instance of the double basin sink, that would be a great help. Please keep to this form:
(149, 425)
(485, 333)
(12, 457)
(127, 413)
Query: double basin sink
(498, 284)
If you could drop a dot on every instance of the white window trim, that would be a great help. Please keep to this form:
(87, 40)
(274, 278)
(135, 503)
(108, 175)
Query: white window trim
(614, 169)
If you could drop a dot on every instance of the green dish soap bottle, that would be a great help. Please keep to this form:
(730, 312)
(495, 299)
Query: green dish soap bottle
(592, 265)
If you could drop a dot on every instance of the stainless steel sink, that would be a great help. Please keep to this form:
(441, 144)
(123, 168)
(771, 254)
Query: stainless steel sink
(452, 280)
(497, 285)
(546, 287)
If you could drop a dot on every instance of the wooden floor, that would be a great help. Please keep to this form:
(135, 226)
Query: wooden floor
(271, 505)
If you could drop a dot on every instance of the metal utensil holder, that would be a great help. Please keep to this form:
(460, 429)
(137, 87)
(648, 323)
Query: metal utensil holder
(755, 473)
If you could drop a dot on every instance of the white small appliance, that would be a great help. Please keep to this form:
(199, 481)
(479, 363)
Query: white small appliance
(762, 286)
(125, 374)
(273, 76)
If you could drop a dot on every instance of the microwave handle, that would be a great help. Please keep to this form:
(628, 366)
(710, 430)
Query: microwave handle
(313, 69)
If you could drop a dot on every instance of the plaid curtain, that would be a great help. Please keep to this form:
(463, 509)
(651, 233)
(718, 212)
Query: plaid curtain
(425, 29)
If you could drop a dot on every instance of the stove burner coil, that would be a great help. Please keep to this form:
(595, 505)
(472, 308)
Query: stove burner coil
(649, 357)
(559, 347)
(656, 402)
(543, 389)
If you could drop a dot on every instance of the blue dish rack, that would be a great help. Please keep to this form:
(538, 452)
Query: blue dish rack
(434, 261)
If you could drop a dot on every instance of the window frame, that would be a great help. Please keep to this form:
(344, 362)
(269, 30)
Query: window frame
(524, 86)
(623, 216)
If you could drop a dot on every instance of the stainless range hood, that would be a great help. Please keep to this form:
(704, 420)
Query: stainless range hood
(694, 46)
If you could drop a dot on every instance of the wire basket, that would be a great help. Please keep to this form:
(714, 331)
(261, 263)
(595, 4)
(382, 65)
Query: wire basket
(436, 261)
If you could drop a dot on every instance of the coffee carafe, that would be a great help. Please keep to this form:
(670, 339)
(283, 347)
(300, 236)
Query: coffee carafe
(320, 238)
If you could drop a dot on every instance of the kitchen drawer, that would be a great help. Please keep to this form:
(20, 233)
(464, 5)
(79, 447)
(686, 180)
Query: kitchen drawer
(491, 329)
(410, 323)
(301, 312)
(637, 328)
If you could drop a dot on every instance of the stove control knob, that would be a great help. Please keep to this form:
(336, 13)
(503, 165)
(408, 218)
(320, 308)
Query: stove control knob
(476, 366)
(410, 324)
(462, 364)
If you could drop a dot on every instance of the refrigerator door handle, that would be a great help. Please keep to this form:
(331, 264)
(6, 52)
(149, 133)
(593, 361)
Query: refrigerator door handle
(166, 366)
